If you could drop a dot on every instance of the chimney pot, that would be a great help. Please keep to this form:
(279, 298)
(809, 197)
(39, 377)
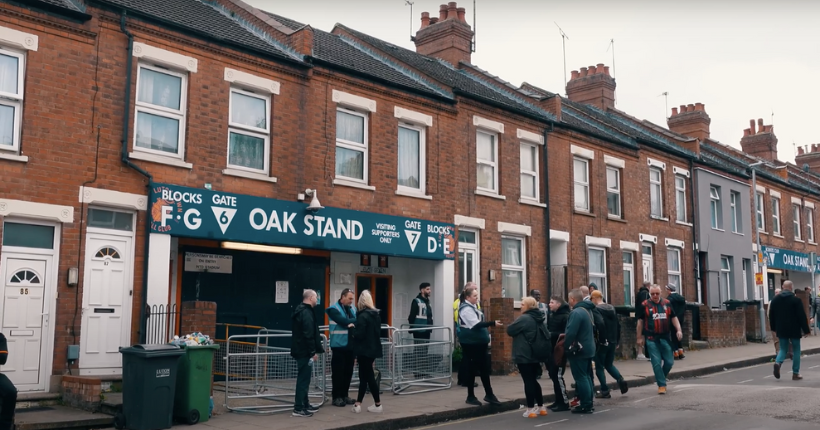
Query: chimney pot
(682, 108)
(760, 125)
(461, 12)
(800, 150)
(574, 75)
(433, 20)
(425, 19)
(752, 126)
(583, 71)
(600, 67)
(442, 12)
(814, 147)
(747, 132)
(699, 106)
(452, 10)
(592, 70)
(606, 70)
(674, 111)
(690, 108)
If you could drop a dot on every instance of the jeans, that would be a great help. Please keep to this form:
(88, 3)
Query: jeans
(479, 365)
(367, 377)
(558, 385)
(660, 354)
(784, 347)
(341, 366)
(8, 400)
(604, 360)
(532, 389)
(304, 369)
(583, 380)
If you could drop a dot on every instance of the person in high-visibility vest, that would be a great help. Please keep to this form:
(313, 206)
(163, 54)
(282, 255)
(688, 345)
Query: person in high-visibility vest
(463, 366)
(342, 317)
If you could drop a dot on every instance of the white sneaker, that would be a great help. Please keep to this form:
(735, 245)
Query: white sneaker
(542, 410)
(375, 409)
(357, 409)
(531, 413)
(641, 357)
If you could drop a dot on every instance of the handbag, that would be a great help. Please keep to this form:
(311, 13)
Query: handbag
(558, 355)
(540, 345)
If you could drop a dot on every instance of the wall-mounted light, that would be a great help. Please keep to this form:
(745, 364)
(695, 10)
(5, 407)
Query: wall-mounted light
(73, 276)
(261, 248)
(314, 202)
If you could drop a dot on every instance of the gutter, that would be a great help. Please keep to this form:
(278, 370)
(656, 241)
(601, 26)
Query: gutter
(695, 238)
(124, 157)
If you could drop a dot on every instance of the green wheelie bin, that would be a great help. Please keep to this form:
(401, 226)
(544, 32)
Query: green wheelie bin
(149, 376)
(193, 394)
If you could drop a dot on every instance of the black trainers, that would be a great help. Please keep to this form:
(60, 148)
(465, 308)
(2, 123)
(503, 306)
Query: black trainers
(340, 402)
(777, 370)
(582, 410)
(603, 395)
(350, 401)
(623, 386)
(563, 407)
(302, 413)
(493, 400)
(473, 401)
(312, 408)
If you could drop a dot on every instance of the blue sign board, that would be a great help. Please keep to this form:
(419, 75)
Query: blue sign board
(206, 214)
(789, 260)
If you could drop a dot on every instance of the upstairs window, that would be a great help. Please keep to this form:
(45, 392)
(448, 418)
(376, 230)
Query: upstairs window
(656, 192)
(12, 66)
(613, 192)
(761, 222)
(160, 111)
(529, 172)
(715, 208)
(776, 216)
(680, 198)
(810, 224)
(249, 131)
(351, 145)
(487, 161)
(797, 225)
(580, 174)
(737, 221)
(411, 162)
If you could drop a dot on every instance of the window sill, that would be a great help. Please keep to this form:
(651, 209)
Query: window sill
(14, 157)
(159, 159)
(416, 195)
(249, 175)
(616, 218)
(719, 229)
(490, 194)
(532, 203)
(348, 183)
(738, 233)
(775, 235)
(688, 224)
(585, 213)
(763, 232)
(799, 240)
(659, 218)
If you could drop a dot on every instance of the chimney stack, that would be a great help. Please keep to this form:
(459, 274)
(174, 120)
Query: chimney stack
(761, 143)
(691, 120)
(810, 155)
(447, 37)
(592, 85)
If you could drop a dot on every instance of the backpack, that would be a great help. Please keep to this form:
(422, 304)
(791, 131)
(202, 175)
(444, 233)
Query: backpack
(596, 332)
(541, 345)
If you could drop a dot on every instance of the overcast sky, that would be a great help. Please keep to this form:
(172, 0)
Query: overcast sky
(742, 59)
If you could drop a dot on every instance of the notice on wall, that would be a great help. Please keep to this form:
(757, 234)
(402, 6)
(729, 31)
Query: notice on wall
(211, 263)
(282, 291)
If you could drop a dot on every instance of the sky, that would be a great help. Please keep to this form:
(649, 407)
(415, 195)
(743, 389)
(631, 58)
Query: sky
(743, 59)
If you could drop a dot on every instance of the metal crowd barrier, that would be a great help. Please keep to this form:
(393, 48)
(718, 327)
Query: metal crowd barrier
(384, 365)
(223, 333)
(422, 365)
(263, 380)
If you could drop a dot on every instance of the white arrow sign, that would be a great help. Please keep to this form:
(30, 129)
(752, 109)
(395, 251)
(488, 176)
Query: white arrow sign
(412, 238)
(224, 216)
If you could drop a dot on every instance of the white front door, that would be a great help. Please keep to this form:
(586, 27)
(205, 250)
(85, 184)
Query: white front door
(24, 317)
(648, 275)
(106, 303)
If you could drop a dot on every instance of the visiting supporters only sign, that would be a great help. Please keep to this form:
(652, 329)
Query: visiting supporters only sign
(205, 214)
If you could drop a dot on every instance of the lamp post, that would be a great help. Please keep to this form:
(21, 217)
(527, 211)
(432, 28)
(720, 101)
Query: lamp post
(759, 254)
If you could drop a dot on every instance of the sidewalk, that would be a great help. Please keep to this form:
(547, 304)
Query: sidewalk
(403, 411)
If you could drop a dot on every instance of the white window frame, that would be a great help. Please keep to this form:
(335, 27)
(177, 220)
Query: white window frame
(680, 209)
(776, 216)
(760, 218)
(588, 208)
(530, 173)
(603, 288)
(355, 146)
(15, 100)
(714, 208)
(616, 190)
(422, 189)
(810, 225)
(511, 268)
(734, 200)
(249, 130)
(726, 276)
(659, 185)
(493, 164)
(151, 109)
(798, 234)
(629, 268)
(473, 248)
(679, 272)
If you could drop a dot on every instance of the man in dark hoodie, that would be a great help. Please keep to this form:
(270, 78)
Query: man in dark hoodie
(306, 344)
(605, 356)
(581, 348)
(679, 306)
(788, 319)
(557, 325)
(8, 393)
(642, 296)
(421, 315)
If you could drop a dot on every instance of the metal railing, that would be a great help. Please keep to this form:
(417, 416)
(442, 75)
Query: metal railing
(263, 380)
(384, 364)
(223, 333)
(422, 364)
(160, 323)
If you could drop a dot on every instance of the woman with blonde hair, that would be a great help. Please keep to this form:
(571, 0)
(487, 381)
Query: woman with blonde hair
(367, 347)
(531, 339)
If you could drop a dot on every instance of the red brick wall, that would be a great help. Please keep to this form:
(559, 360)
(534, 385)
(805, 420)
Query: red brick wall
(501, 347)
(81, 392)
(198, 317)
(722, 328)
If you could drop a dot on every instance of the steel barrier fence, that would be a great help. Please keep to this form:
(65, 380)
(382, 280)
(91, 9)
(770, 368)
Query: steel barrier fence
(384, 365)
(223, 332)
(422, 365)
(264, 380)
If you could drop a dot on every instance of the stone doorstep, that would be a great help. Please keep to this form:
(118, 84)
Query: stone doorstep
(61, 417)
(36, 400)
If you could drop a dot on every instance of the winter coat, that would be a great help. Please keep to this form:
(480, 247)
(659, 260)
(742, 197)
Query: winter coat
(365, 336)
(678, 305)
(787, 317)
(421, 314)
(557, 323)
(523, 331)
(579, 329)
(612, 331)
(305, 341)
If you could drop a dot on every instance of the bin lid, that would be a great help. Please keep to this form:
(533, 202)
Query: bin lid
(214, 346)
(150, 351)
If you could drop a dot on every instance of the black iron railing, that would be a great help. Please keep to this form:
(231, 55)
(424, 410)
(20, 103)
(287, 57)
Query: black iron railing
(160, 323)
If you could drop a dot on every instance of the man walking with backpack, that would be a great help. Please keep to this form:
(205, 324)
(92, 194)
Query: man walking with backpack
(605, 356)
(788, 319)
(655, 329)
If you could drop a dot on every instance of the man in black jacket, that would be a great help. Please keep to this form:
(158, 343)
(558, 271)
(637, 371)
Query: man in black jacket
(421, 315)
(605, 356)
(787, 318)
(556, 325)
(642, 296)
(8, 393)
(679, 306)
(306, 344)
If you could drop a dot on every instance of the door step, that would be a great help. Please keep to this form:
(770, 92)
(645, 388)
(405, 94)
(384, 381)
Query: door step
(36, 400)
(60, 417)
